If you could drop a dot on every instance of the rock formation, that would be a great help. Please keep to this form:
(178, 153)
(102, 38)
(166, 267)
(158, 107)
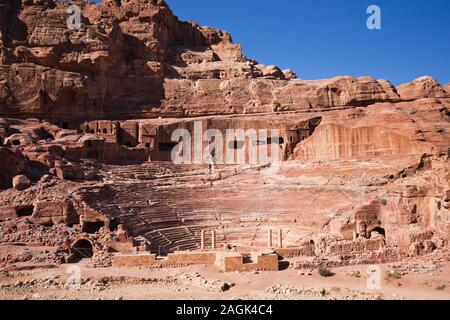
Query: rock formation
(379, 130)
(134, 58)
(86, 142)
(13, 163)
(424, 87)
(447, 89)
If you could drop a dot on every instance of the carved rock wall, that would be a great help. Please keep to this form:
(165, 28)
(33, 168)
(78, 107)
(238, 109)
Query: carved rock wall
(135, 59)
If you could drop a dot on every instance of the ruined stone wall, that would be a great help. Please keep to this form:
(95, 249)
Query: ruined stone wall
(242, 138)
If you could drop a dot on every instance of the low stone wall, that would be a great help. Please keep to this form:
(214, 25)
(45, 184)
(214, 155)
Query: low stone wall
(122, 247)
(229, 262)
(177, 259)
(348, 247)
(191, 258)
(234, 262)
(287, 253)
(383, 256)
(134, 260)
(224, 261)
(264, 262)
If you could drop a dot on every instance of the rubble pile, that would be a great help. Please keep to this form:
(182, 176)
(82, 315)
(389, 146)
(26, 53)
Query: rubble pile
(24, 231)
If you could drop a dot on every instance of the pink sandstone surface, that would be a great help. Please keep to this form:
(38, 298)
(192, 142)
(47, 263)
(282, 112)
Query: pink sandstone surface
(87, 115)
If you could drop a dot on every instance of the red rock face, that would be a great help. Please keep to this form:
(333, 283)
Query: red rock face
(13, 163)
(424, 87)
(447, 89)
(380, 130)
(368, 170)
(136, 59)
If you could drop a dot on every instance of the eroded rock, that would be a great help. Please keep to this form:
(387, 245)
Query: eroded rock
(423, 87)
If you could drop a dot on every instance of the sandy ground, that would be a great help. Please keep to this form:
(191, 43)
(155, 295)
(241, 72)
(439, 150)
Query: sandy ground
(204, 283)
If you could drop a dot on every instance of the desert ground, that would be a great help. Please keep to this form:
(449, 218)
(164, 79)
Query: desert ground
(426, 279)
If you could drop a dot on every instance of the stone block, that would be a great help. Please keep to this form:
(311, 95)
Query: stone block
(191, 258)
(134, 260)
(56, 212)
(229, 262)
(21, 182)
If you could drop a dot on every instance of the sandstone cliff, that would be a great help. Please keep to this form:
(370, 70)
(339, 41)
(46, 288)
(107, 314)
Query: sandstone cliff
(135, 59)
(447, 89)
(380, 130)
(423, 87)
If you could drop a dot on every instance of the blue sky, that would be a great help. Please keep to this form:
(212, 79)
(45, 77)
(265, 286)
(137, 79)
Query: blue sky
(326, 38)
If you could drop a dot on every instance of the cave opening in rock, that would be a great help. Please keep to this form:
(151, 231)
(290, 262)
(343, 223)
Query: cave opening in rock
(24, 211)
(114, 224)
(167, 147)
(82, 249)
(65, 125)
(92, 155)
(92, 227)
(380, 231)
(16, 142)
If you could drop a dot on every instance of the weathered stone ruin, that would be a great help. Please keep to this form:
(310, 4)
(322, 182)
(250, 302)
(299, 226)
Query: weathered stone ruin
(86, 147)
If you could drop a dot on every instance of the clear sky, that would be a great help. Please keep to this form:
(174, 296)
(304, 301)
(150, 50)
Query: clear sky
(326, 38)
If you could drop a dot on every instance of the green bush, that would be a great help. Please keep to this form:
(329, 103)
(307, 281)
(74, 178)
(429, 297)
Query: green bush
(325, 272)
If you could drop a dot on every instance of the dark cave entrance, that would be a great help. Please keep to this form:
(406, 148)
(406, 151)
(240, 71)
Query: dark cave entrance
(82, 249)
(380, 231)
(92, 227)
(167, 147)
(92, 155)
(114, 224)
(24, 211)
